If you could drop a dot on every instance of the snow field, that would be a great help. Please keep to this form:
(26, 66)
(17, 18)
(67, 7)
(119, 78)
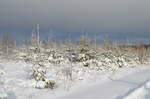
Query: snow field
(38, 73)
(140, 93)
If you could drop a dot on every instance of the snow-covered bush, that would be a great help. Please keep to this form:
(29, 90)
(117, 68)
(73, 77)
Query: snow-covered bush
(113, 60)
(39, 75)
(86, 55)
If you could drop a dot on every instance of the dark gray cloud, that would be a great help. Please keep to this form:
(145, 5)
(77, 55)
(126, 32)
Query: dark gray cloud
(103, 16)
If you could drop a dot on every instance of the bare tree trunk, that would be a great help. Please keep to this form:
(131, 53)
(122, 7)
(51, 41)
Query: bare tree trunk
(7, 50)
(38, 35)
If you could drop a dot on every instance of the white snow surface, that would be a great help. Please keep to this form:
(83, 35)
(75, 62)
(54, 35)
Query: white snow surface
(127, 83)
(142, 92)
(117, 88)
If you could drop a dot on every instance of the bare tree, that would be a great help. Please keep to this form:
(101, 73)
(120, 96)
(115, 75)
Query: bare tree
(7, 43)
(84, 41)
(35, 37)
(34, 40)
(38, 34)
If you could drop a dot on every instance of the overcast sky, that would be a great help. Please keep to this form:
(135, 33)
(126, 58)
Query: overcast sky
(97, 16)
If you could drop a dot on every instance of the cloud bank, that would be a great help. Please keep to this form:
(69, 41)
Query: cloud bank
(101, 16)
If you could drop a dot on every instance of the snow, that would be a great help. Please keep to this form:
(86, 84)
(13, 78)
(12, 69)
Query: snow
(80, 73)
(3, 94)
(142, 92)
(16, 82)
(115, 88)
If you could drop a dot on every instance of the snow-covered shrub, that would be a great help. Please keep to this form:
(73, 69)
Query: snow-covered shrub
(45, 84)
(86, 54)
(39, 74)
(83, 55)
(112, 60)
(55, 57)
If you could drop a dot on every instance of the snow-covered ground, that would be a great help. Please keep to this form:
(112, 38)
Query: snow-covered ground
(117, 87)
(15, 83)
(142, 92)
